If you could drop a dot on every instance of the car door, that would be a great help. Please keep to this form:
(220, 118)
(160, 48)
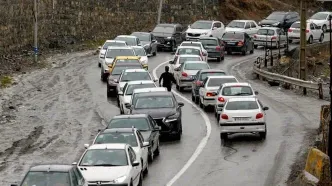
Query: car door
(80, 179)
(145, 150)
(318, 31)
(312, 31)
(195, 79)
(247, 28)
(153, 43)
(135, 171)
(202, 89)
(154, 134)
(121, 96)
(253, 28)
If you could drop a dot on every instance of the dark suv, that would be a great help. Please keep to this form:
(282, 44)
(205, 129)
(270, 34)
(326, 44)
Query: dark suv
(214, 47)
(280, 19)
(168, 35)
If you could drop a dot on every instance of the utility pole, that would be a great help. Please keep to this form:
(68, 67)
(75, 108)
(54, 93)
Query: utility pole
(35, 49)
(303, 42)
(329, 148)
(160, 10)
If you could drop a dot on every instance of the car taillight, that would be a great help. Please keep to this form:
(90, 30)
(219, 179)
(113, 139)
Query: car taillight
(274, 37)
(259, 115)
(290, 30)
(218, 48)
(221, 99)
(184, 74)
(255, 36)
(307, 31)
(240, 43)
(224, 116)
(198, 83)
(209, 94)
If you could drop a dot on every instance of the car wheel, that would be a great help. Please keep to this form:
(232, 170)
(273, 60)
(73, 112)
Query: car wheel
(321, 39)
(324, 28)
(218, 59)
(178, 136)
(223, 136)
(140, 183)
(222, 57)
(157, 151)
(181, 89)
(109, 93)
(244, 52)
(310, 40)
(218, 118)
(262, 135)
(150, 155)
(192, 97)
(99, 65)
(146, 170)
(255, 46)
(200, 103)
(215, 114)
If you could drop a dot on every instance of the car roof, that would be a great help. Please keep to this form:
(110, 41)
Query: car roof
(324, 12)
(189, 55)
(192, 47)
(201, 62)
(243, 20)
(269, 28)
(127, 57)
(119, 47)
(144, 90)
(192, 42)
(130, 116)
(212, 70)
(140, 82)
(155, 93)
(112, 130)
(51, 168)
(126, 36)
(204, 21)
(108, 146)
(242, 99)
(218, 77)
(167, 24)
(236, 84)
(141, 33)
(114, 41)
(135, 70)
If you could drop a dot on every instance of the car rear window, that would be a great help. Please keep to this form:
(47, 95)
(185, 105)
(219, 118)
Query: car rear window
(209, 42)
(132, 76)
(196, 66)
(242, 105)
(233, 36)
(47, 178)
(189, 51)
(268, 32)
(117, 70)
(128, 61)
(237, 91)
(139, 123)
(206, 74)
(184, 59)
(113, 44)
(216, 82)
(296, 25)
(117, 137)
(131, 88)
(191, 44)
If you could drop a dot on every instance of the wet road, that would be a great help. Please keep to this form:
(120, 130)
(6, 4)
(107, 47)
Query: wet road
(50, 114)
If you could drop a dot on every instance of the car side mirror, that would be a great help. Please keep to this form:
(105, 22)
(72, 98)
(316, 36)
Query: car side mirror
(173, 53)
(116, 81)
(153, 41)
(74, 163)
(128, 105)
(139, 44)
(99, 47)
(156, 80)
(265, 108)
(135, 163)
(181, 104)
(157, 128)
(86, 146)
(256, 92)
(146, 144)
(120, 93)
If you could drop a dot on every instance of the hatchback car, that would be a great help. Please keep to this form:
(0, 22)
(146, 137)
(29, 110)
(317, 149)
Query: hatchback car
(145, 124)
(270, 37)
(243, 115)
(196, 44)
(140, 51)
(321, 19)
(214, 46)
(148, 42)
(178, 60)
(313, 32)
(184, 75)
(130, 40)
(67, 175)
(102, 49)
(207, 28)
(190, 50)
(115, 163)
(238, 42)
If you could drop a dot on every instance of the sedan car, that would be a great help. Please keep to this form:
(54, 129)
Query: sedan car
(243, 115)
(214, 46)
(178, 60)
(115, 163)
(190, 50)
(184, 75)
(198, 79)
(128, 89)
(140, 51)
(130, 40)
(270, 37)
(238, 42)
(321, 19)
(248, 26)
(313, 32)
(209, 87)
(145, 124)
(67, 175)
(163, 108)
(103, 49)
(148, 42)
(196, 44)
(131, 136)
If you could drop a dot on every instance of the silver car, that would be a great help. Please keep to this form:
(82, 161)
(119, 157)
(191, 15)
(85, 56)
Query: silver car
(270, 37)
(184, 75)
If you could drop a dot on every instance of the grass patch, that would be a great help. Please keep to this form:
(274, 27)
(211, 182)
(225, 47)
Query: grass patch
(5, 81)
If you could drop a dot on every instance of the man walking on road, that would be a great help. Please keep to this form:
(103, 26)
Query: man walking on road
(167, 78)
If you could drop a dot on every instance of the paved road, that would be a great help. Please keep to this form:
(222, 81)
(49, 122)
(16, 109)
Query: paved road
(50, 114)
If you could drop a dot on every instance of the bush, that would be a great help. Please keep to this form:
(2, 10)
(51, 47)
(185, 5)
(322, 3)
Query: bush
(5, 81)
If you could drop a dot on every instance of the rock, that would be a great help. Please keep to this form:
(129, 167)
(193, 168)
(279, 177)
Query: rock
(12, 107)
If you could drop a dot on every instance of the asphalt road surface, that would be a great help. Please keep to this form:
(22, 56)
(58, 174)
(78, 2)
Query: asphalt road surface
(50, 114)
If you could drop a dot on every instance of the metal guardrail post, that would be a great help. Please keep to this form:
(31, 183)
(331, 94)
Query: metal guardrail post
(271, 57)
(320, 90)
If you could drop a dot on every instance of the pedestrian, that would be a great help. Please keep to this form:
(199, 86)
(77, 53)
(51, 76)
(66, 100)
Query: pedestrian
(167, 78)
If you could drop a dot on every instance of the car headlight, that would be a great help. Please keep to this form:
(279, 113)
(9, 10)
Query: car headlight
(173, 117)
(120, 179)
(169, 37)
(275, 24)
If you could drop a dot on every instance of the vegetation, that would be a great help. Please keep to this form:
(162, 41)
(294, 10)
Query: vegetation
(5, 81)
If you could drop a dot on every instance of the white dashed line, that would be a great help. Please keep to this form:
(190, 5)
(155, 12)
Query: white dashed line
(202, 143)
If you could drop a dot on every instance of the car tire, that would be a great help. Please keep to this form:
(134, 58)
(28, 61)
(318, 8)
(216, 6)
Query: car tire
(244, 52)
(321, 39)
(262, 135)
(109, 93)
(222, 58)
(310, 40)
(140, 183)
(218, 59)
(215, 114)
(146, 170)
(255, 46)
(192, 97)
(223, 136)
(151, 155)
(178, 136)
(99, 65)
(324, 28)
(157, 151)
(181, 89)
(290, 41)
(218, 118)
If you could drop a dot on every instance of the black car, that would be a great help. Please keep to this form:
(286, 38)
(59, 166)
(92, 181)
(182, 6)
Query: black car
(280, 19)
(214, 46)
(53, 175)
(163, 108)
(145, 124)
(148, 41)
(238, 42)
(168, 35)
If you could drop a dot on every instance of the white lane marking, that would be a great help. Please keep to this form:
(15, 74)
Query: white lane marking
(203, 142)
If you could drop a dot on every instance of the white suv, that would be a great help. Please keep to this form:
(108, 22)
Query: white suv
(205, 28)
(243, 115)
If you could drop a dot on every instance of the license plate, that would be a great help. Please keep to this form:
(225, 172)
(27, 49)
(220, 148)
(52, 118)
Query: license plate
(241, 119)
(231, 43)
(296, 31)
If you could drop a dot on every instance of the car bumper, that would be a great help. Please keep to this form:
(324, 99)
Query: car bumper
(208, 101)
(185, 83)
(112, 87)
(189, 38)
(234, 48)
(214, 54)
(168, 128)
(242, 127)
(264, 43)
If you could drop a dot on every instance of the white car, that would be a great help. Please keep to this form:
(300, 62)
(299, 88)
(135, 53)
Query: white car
(321, 19)
(140, 51)
(196, 44)
(243, 115)
(130, 40)
(248, 26)
(205, 28)
(111, 164)
(265, 35)
(178, 60)
(191, 50)
(128, 89)
(102, 49)
(130, 136)
(313, 32)
(231, 90)
(208, 89)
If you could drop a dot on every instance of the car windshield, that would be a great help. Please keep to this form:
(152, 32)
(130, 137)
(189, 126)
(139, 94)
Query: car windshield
(135, 76)
(129, 40)
(142, 36)
(189, 51)
(192, 44)
(139, 123)
(154, 102)
(237, 91)
(117, 70)
(209, 42)
(140, 51)
(128, 61)
(184, 59)
(233, 36)
(278, 17)
(242, 105)
(206, 74)
(201, 25)
(130, 89)
(296, 25)
(236, 24)
(107, 44)
(104, 157)
(117, 137)
(196, 66)
(216, 82)
(319, 16)
(164, 29)
(268, 32)
(112, 53)
(46, 178)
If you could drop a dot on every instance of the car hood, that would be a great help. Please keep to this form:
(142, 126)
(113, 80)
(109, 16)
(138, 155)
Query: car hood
(269, 21)
(146, 135)
(229, 29)
(197, 31)
(104, 173)
(155, 113)
(160, 34)
(145, 43)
